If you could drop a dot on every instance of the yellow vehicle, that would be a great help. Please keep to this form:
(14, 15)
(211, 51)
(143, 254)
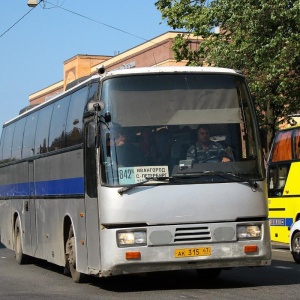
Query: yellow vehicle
(283, 171)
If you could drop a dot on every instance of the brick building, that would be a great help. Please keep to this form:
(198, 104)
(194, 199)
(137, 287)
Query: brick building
(155, 52)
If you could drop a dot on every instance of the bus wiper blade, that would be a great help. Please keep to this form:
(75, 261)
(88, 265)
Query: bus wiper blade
(231, 176)
(253, 184)
(130, 187)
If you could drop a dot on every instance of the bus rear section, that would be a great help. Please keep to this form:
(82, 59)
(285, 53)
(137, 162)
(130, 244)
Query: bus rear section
(283, 171)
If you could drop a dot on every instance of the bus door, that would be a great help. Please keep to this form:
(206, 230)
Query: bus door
(91, 201)
(30, 212)
(280, 204)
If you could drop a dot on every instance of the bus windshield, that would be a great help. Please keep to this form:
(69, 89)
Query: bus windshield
(164, 125)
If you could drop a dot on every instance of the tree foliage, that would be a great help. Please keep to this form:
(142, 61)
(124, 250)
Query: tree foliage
(259, 37)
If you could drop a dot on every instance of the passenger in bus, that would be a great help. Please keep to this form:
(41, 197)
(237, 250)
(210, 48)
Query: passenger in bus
(206, 150)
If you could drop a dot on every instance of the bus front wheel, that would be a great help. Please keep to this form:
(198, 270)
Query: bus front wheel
(71, 257)
(296, 247)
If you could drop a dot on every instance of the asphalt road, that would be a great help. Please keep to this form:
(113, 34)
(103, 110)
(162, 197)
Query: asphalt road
(41, 280)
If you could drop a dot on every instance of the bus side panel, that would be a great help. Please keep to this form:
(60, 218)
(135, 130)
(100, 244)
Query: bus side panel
(93, 234)
(6, 223)
(59, 180)
(279, 220)
(13, 184)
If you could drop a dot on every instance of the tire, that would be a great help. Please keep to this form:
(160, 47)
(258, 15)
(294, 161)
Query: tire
(209, 274)
(295, 245)
(21, 258)
(70, 254)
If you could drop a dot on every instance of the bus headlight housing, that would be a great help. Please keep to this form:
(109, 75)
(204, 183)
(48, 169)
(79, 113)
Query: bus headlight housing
(132, 238)
(249, 232)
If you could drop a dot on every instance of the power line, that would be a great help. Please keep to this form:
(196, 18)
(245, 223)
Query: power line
(96, 21)
(17, 22)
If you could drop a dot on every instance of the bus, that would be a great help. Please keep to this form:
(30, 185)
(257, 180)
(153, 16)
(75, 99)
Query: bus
(97, 180)
(283, 169)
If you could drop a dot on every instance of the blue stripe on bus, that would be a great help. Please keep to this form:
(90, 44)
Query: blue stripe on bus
(69, 186)
(281, 221)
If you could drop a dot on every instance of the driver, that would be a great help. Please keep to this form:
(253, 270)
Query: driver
(205, 149)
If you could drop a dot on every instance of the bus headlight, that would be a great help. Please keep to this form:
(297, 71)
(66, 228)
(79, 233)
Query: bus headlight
(132, 238)
(249, 232)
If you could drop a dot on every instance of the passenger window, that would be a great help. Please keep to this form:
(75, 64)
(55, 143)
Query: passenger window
(297, 143)
(7, 143)
(75, 117)
(16, 151)
(282, 147)
(58, 124)
(1, 143)
(42, 132)
(29, 134)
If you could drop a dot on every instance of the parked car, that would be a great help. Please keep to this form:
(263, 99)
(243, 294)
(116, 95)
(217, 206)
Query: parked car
(295, 241)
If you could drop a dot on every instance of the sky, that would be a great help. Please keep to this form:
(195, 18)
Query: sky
(34, 43)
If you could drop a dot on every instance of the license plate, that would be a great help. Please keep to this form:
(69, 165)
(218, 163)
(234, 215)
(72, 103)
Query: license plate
(190, 252)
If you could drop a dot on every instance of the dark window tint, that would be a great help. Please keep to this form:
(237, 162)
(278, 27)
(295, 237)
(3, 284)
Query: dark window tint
(42, 130)
(1, 143)
(16, 151)
(29, 134)
(58, 124)
(7, 143)
(297, 143)
(75, 116)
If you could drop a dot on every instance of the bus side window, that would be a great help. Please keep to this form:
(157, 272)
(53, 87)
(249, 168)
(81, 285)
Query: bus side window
(1, 143)
(58, 124)
(282, 149)
(7, 143)
(16, 151)
(75, 115)
(42, 132)
(29, 134)
(297, 143)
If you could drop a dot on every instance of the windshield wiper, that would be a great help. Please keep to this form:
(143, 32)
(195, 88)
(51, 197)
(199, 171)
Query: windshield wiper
(237, 178)
(231, 176)
(130, 187)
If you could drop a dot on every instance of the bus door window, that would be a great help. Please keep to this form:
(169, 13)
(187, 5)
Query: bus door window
(277, 179)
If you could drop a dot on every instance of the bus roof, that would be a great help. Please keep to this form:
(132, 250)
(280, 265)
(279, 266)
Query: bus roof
(172, 69)
(143, 70)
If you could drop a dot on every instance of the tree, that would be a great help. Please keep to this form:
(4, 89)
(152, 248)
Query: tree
(259, 37)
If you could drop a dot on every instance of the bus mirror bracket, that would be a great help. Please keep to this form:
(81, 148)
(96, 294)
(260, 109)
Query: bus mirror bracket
(91, 138)
(95, 106)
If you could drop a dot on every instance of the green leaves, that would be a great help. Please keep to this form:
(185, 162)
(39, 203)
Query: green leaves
(259, 37)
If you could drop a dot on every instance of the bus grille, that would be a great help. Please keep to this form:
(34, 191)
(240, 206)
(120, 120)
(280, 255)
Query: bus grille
(192, 234)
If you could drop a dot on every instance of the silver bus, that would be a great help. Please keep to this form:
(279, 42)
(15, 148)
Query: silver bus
(109, 177)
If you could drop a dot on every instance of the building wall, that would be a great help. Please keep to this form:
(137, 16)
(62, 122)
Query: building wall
(156, 52)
